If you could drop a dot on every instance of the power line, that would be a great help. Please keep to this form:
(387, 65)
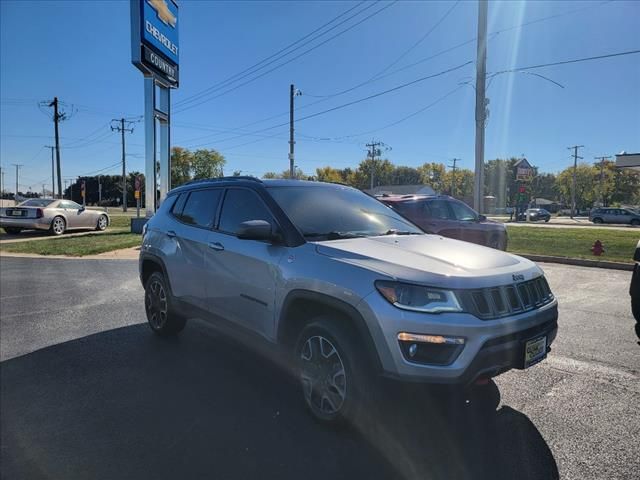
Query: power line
(565, 62)
(183, 108)
(221, 83)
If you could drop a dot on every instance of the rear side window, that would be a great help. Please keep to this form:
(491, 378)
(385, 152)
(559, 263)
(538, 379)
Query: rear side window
(200, 207)
(239, 206)
(179, 205)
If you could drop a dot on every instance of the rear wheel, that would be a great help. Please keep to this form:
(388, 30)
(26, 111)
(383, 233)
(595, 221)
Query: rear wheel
(103, 222)
(635, 222)
(58, 226)
(158, 306)
(597, 220)
(12, 230)
(332, 370)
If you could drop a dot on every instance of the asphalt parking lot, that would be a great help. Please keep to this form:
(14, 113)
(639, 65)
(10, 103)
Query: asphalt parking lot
(88, 392)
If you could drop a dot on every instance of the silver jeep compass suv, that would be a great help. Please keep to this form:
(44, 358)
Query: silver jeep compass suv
(344, 284)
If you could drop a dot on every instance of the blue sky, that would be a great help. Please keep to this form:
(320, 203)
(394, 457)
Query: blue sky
(80, 51)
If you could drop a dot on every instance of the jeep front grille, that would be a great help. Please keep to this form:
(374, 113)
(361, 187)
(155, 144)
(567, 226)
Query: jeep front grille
(496, 302)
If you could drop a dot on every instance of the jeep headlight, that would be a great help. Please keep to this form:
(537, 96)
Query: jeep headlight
(418, 297)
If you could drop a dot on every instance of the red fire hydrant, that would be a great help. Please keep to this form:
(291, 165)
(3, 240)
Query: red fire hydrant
(598, 248)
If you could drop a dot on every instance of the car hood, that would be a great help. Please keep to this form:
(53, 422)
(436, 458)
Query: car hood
(431, 259)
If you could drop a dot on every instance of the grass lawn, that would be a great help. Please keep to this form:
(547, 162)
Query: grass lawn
(120, 221)
(76, 246)
(619, 245)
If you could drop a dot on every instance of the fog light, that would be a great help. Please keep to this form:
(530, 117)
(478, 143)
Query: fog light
(413, 349)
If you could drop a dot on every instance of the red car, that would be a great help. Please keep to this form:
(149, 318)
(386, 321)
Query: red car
(446, 216)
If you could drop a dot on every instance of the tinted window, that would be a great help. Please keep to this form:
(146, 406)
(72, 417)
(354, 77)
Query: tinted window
(462, 212)
(240, 206)
(200, 207)
(179, 205)
(437, 209)
(36, 202)
(318, 211)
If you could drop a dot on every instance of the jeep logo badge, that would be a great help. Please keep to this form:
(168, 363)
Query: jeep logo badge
(518, 277)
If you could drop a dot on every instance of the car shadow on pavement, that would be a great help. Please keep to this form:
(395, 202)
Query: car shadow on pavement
(126, 404)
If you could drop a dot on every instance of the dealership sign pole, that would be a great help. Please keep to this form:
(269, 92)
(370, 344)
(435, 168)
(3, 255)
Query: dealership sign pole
(154, 51)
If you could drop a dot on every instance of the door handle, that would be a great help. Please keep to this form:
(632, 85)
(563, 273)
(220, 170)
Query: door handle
(171, 234)
(217, 246)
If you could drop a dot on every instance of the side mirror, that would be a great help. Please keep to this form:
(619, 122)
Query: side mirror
(482, 218)
(255, 230)
(82, 208)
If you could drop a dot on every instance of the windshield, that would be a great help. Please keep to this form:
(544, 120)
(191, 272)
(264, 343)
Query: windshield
(36, 202)
(335, 211)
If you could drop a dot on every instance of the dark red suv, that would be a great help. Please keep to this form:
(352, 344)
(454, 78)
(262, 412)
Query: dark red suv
(449, 217)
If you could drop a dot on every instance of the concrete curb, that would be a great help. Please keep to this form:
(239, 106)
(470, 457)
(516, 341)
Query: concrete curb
(123, 254)
(577, 261)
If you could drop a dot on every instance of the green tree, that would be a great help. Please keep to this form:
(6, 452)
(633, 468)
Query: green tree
(586, 192)
(329, 174)
(543, 186)
(433, 174)
(406, 176)
(207, 164)
(463, 179)
(180, 166)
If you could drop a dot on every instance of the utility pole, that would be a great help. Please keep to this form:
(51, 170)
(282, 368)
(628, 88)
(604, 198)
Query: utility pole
(53, 177)
(293, 92)
(18, 166)
(57, 117)
(481, 76)
(453, 176)
(373, 152)
(573, 183)
(122, 129)
(602, 159)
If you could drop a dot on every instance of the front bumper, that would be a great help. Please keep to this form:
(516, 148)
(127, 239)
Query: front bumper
(491, 347)
(26, 223)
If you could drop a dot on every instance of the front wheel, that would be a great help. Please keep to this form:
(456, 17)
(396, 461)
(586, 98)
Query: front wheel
(12, 230)
(158, 307)
(102, 224)
(335, 381)
(597, 220)
(58, 226)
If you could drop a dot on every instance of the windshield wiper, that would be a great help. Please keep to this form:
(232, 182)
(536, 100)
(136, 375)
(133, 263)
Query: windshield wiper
(333, 235)
(393, 231)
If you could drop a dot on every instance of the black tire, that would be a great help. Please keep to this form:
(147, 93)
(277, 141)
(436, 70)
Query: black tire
(324, 348)
(547, 220)
(12, 230)
(58, 226)
(597, 220)
(158, 306)
(635, 222)
(102, 223)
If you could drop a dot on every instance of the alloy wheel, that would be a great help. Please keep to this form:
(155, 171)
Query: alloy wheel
(323, 375)
(58, 226)
(102, 222)
(156, 305)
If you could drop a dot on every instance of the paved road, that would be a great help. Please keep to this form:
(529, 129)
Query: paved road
(88, 392)
(564, 222)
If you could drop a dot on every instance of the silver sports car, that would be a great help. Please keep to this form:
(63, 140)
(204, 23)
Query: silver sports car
(57, 216)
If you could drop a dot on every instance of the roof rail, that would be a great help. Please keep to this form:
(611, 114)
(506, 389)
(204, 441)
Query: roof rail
(223, 179)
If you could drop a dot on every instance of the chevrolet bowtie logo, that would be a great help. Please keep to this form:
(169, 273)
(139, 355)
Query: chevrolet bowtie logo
(164, 14)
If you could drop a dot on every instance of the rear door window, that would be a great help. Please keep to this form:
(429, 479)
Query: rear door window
(200, 208)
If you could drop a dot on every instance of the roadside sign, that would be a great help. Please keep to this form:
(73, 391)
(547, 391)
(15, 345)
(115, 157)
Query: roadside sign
(154, 39)
(136, 194)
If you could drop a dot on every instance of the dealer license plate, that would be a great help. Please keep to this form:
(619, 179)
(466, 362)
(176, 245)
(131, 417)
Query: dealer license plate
(16, 213)
(534, 351)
